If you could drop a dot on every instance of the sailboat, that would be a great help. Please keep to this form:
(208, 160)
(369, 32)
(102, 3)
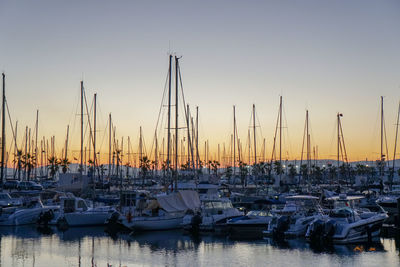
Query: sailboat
(75, 211)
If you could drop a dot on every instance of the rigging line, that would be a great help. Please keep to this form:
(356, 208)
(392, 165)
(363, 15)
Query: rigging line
(384, 130)
(74, 110)
(183, 95)
(333, 139)
(342, 139)
(273, 156)
(104, 137)
(341, 149)
(311, 130)
(91, 138)
(302, 146)
(187, 116)
(258, 121)
(395, 140)
(101, 119)
(162, 100)
(161, 106)
(289, 151)
(11, 125)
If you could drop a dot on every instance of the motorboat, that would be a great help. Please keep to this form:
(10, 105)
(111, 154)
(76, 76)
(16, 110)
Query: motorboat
(250, 226)
(22, 215)
(214, 213)
(293, 220)
(346, 223)
(389, 203)
(7, 201)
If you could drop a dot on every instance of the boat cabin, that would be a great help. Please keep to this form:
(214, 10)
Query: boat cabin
(73, 204)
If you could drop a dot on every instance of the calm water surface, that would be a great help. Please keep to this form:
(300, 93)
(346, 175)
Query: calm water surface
(27, 246)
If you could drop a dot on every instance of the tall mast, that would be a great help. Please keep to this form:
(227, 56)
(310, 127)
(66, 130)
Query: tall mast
(36, 141)
(26, 149)
(94, 135)
(248, 138)
(197, 137)
(169, 113)
(192, 146)
(81, 166)
(382, 156)
(254, 132)
(3, 130)
(338, 140)
(129, 157)
(156, 152)
(140, 144)
(308, 144)
(188, 135)
(15, 145)
(109, 145)
(395, 140)
(280, 138)
(234, 140)
(176, 121)
(280, 130)
(219, 158)
(66, 144)
(263, 155)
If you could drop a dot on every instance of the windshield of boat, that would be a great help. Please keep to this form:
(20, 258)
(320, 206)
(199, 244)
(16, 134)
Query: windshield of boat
(5, 196)
(342, 213)
(217, 205)
(257, 213)
(301, 204)
(344, 204)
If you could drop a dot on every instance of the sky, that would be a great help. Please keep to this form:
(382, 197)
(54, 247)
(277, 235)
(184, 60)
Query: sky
(324, 56)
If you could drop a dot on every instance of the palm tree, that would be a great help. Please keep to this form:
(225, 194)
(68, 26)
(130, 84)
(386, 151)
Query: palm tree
(243, 172)
(228, 172)
(64, 163)
(17, 159)
(292, 171)
(127, 167)
(278, 168)
(28, 162)
(144, 167)
(54, 166)
(214, 165)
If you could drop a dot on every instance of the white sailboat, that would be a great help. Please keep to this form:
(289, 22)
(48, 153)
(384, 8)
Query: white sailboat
(74, 211)
(163, 212)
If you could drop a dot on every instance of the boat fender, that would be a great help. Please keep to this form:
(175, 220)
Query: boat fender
(129, 216)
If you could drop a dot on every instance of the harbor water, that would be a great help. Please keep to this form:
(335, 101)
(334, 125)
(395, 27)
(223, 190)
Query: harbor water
(93, 246)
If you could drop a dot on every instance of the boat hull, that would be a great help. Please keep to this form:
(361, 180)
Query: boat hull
(247, 231)
(22, 217)
(155, 223)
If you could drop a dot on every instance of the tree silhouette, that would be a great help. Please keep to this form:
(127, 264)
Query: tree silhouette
(64, 164)
(53, 166)
(28, 162)
(144, 167)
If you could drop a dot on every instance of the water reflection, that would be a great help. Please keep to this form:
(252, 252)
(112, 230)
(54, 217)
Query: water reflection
(93, 246)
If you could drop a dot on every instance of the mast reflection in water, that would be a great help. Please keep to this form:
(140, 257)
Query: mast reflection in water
(28, 246)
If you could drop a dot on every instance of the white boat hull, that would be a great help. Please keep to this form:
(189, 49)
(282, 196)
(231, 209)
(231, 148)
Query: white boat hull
(86, 218)
(21, 217)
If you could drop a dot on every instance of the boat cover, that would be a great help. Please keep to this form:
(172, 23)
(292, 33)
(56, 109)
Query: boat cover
(191, 199)
(181, 201)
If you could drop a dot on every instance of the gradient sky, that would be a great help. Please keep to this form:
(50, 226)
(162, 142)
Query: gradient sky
(325, 56)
